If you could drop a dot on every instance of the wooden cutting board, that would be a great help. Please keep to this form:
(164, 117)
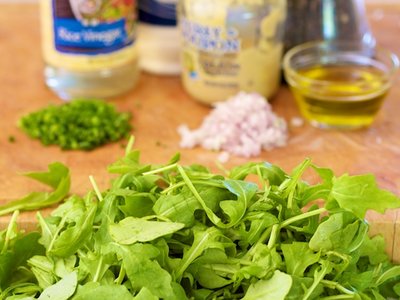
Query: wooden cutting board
(159, 105)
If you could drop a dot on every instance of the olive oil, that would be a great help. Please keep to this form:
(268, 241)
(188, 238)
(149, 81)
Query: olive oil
(341, 96)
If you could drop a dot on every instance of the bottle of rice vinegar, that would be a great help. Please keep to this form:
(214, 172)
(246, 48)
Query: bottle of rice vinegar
(89, 47)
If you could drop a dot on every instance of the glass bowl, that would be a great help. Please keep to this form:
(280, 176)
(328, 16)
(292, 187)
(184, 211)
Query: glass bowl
(339, 84)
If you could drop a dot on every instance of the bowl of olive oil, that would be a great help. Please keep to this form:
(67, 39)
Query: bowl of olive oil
(339, 84)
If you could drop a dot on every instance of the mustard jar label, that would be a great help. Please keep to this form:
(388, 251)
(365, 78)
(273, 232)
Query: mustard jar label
(231, 46)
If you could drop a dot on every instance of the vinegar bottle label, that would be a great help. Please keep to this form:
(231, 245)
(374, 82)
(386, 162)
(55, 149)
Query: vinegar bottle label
(86, 35)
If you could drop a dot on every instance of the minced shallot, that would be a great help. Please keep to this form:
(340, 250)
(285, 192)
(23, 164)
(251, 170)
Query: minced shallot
(244, 125)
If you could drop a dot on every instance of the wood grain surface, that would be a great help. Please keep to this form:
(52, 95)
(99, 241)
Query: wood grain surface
(159, 105)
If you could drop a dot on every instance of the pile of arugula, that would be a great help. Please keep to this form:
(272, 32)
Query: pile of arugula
(174, 232)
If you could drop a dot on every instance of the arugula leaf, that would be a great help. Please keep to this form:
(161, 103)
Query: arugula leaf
(277, 287)
(42, 267)
(319, 274)
(129, 164)
(213, 269)
(20, 291)
(137, 204)
(377, 295)
(132, 183)
(374, 249)
(22, 248)
(71, 239)
(48, 228)
(172, 232)
(318, 191)
(106, 215)
(177, 208)
(6, 267)
(339, 231)
(61, 290)
(57, 177)
(181, 207)
(361, 282)
(131, 230)
(256, 224)
(396, 288)
(202, 240)
(393, 272)
(358, 194)
(93, 290)
(299, 284)
(145, 294)
(95, 265)
(209, 278)
(57, 171)
(273, 174)
(178, 292)
(292, 252)
(64, 266)
(236, 209)
(291, 184)
(143, 271)
(262, 263)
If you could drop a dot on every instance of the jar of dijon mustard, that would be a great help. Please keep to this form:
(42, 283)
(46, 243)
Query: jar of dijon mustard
(231, 46)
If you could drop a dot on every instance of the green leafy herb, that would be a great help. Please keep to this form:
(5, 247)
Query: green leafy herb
(94, 290)
(62, 290)
(58, 177)
(360, 193)
(173, 232)
(79, 124)
(16, 250)
(276, 287)
(292, 252)
(131, 230)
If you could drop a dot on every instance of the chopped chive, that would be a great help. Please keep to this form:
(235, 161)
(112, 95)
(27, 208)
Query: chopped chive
(77, 125)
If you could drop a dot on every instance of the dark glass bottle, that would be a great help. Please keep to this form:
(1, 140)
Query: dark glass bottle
(311, 20)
